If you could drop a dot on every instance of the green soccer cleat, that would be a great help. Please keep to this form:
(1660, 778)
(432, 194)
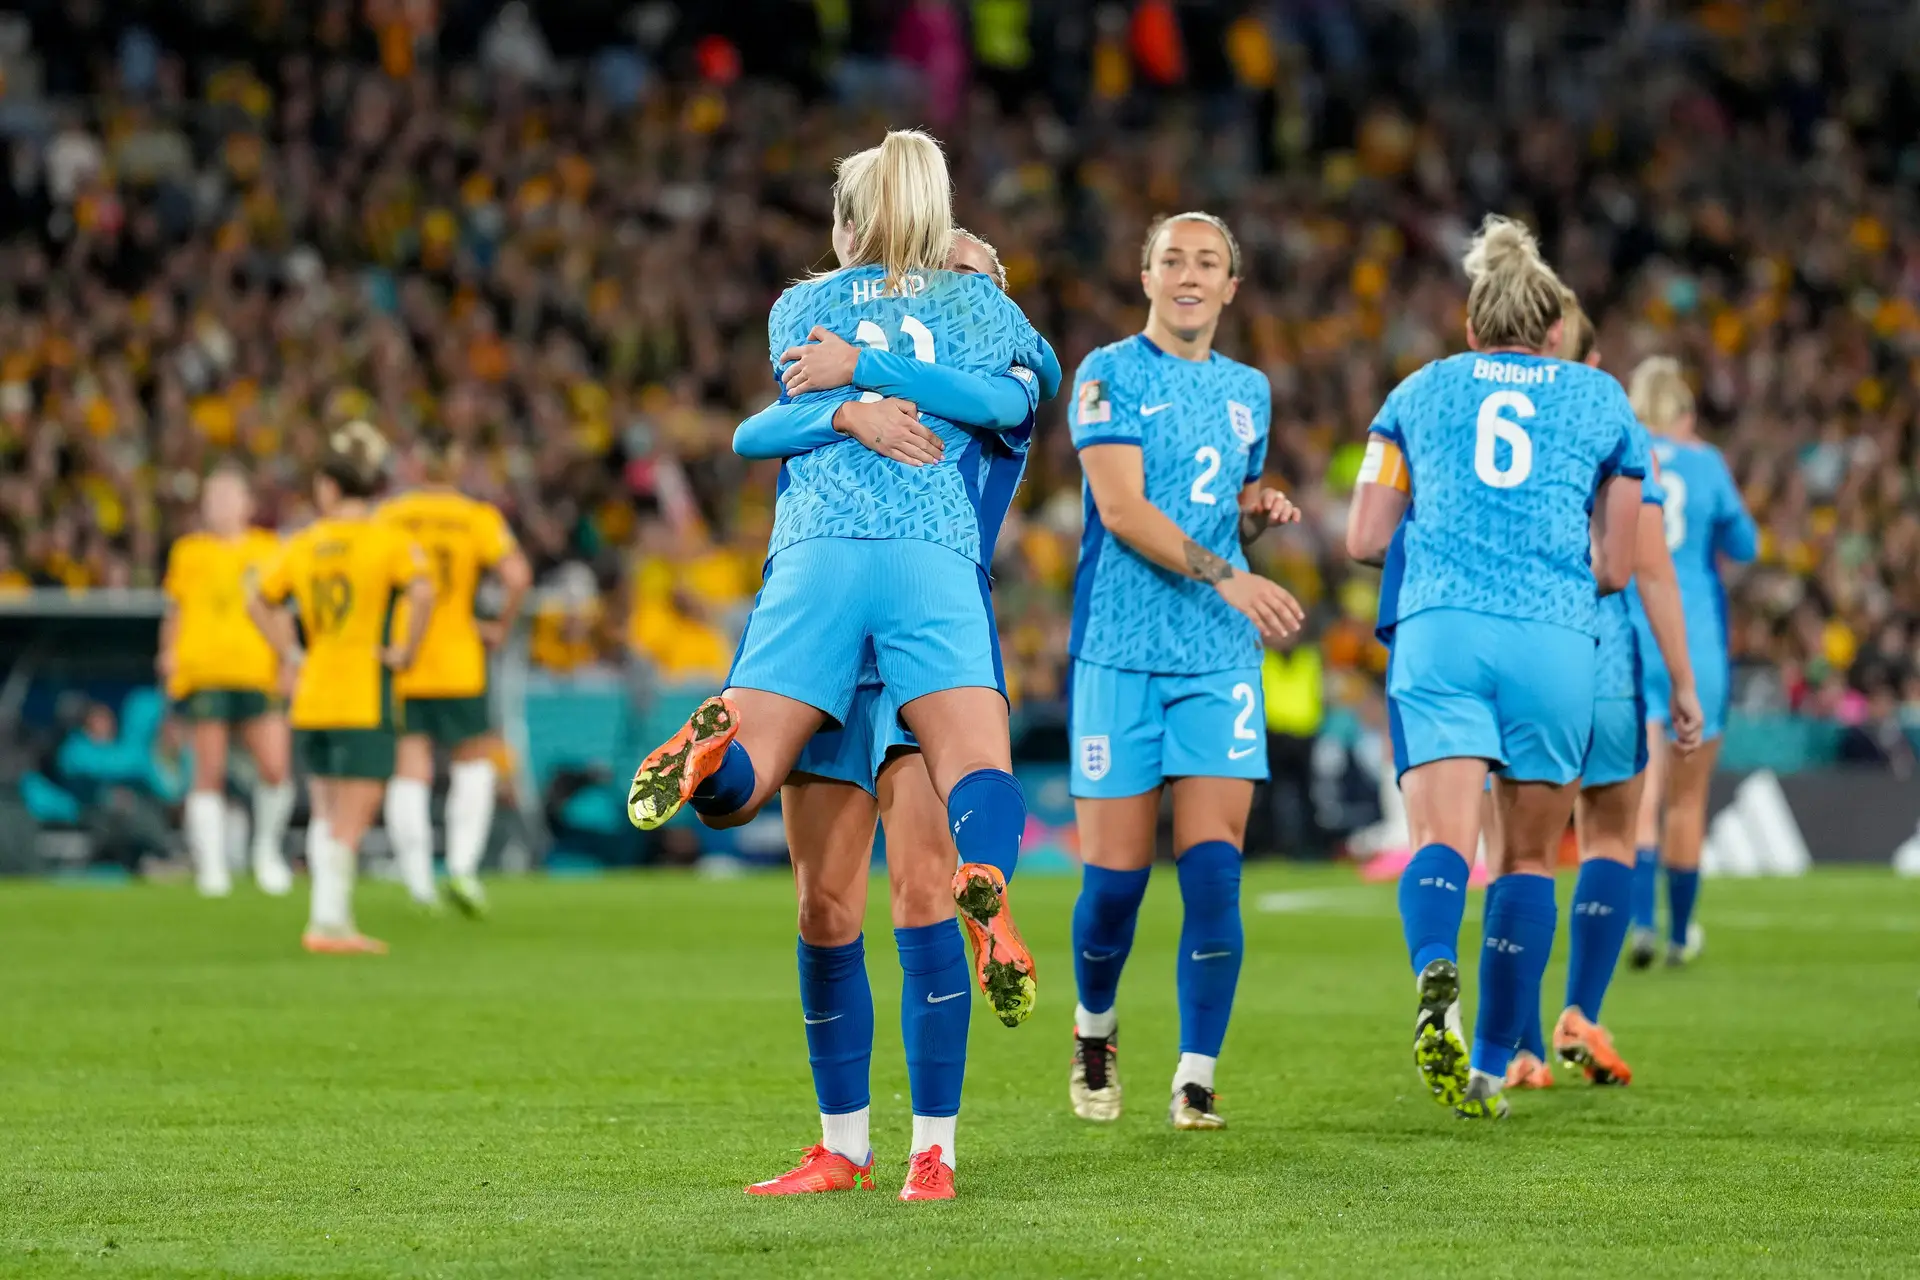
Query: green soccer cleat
(1439, 1049)
(469, 895)
(1483, 1099)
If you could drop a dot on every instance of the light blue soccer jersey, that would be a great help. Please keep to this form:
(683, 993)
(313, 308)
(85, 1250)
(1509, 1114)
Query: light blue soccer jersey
(1202, 430)
(1506, 453)
(1618, 663)
(1705, 520)
(845, 490)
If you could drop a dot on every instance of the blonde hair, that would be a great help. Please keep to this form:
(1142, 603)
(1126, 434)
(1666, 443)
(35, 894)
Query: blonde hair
(1576, 328)
(1514, 297)
(356, 459)
(1219, 224)
(900, 201)
(999, 272)
(1659, 393)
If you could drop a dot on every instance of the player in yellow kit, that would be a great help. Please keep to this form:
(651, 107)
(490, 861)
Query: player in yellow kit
(223, 676)
(445, 690)
(345, 573)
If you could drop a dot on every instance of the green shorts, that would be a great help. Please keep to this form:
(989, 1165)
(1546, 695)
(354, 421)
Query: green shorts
(229, 706)
(346, 753)
(448, 721)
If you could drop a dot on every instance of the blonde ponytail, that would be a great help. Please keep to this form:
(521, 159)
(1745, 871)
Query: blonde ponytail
(1659, 394)
(900, 201)
(1514, 297)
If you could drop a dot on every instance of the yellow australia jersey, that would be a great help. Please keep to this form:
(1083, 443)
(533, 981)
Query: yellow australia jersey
(216, 645)
(345, 577)
(460, 537)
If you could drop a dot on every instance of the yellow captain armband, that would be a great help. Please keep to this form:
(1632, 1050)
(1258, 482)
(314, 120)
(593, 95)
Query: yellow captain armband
(1385, 464)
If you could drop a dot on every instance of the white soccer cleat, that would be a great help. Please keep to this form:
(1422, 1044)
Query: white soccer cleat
(1094, 1085)
(1439, 1044)
(1483, 1099)
(1678, 957)
(272, 875)
(1642, 947)
(1193, 1108)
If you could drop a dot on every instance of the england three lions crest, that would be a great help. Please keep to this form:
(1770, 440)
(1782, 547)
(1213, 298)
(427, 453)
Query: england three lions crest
(1241, 417)
(1096, 757)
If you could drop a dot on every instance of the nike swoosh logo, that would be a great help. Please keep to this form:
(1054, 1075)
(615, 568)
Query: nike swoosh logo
(1148, 410)
(934, 999)
(1207, 955)
(1240, 753)
(1088, 955)
(814, 1022)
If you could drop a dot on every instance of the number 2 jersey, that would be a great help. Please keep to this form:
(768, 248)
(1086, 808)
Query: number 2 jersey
(1201, 426)
(845, 490)
(345, 577)
(1505, 454)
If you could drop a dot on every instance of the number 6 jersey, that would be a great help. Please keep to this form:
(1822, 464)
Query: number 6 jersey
(345, 577)
(1201, 427)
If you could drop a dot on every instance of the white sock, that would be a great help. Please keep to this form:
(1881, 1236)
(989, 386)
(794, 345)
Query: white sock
(206, 822)
(470, 786)
(410, 830)
(272, 810)
(1095, 1024)
(935, 1131)
(330, 864)
(846, 1135)
(1194, 1068)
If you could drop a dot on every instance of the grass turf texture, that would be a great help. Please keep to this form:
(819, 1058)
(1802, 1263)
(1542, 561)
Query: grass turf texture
(582, 1085)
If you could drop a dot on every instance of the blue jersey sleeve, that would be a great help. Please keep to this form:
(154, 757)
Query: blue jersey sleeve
(1629, 457)
(1048, 370)
(1387, 422)
(788, 428)
(954, 394)
(1735, 535)
(1103, 411)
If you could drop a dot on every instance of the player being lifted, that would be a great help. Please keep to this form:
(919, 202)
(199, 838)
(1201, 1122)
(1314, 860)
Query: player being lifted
(1705, 521)
(444, 692)
(1524, 474)
(1167, 622)
(870, 559)
(1610, 779)
(843, 775)
(223, 678)
(346, 573)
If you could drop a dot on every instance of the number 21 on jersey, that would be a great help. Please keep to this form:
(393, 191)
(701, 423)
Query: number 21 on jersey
(869, 334)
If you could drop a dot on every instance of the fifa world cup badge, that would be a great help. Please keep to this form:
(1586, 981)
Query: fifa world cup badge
(1094, 405)
(1096, 757)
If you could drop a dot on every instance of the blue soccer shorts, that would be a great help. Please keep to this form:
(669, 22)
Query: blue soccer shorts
(855, 751)
(915, 611)
(1129, 731)
(1618, 751)
(1513, 692)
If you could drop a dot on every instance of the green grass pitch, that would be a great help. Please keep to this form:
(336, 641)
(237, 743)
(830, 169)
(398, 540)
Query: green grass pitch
(581, 1086)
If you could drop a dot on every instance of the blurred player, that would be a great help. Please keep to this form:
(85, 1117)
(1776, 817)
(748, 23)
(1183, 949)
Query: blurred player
(444, 692)
(872, 559)
(1610, 779)
(1167, 622)
(1526, 471)
(1705, 521)
(222, 676)
(829, 801)
(345, 573)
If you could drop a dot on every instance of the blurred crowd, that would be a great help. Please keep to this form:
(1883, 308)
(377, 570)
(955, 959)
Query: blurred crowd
(556, 232)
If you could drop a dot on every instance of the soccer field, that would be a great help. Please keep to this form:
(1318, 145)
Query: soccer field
(582, 1085)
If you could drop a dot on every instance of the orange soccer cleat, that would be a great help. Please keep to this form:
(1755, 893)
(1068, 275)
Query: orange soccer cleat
(928, 1177)
(665, 780)
(321, 943)
(1528, 1072)
(819, 1170)
(1587, 1045)
(1001, 962)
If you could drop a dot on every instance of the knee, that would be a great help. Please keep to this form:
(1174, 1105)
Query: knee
(921, 900)
(1210, 878)
(828, 919)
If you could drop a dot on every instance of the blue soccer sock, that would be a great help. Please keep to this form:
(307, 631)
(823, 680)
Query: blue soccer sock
(1646, 883)
(934, 1014)
(837, 1005)
(1598, 927)
(729, 787)
(1532, 1038)
(1520, 920)
(1103, 918)
(987, 813)
(1212, 942)
(1683, 889)
(1433, 897)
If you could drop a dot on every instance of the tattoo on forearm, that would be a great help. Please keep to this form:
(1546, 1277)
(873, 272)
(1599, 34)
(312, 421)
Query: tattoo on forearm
(1206, 566)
